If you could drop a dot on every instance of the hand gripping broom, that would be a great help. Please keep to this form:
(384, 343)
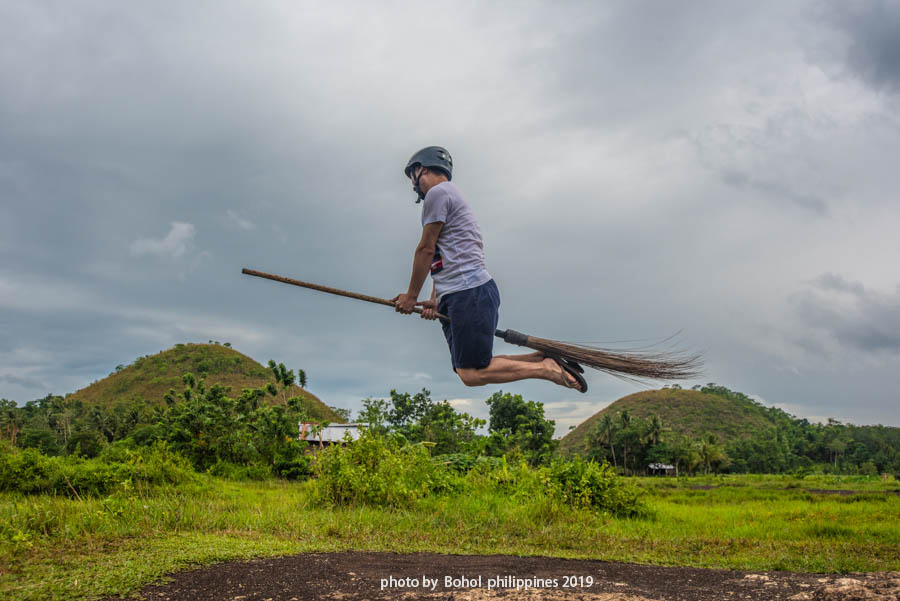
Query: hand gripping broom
(633, 365)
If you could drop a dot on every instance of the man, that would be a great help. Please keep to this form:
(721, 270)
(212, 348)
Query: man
(451, 250)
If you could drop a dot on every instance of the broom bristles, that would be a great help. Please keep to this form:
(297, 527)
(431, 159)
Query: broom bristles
(628, 364)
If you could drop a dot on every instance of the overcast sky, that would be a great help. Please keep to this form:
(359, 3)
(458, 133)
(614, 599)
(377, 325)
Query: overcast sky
(638, 168)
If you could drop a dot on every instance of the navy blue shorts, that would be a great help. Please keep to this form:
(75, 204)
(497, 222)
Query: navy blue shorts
(474, 315)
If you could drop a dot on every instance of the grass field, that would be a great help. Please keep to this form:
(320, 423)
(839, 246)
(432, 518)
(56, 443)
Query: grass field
(61, 548)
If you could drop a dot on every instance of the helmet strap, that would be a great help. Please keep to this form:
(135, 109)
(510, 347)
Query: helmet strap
(416, 187)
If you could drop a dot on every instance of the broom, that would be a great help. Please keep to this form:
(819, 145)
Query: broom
(633, 365)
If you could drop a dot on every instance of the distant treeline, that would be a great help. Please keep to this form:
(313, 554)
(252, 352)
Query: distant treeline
(244, 437)
(785, 445)
(215, 432)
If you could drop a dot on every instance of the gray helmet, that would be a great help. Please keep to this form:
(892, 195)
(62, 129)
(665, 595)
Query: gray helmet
(434, 157)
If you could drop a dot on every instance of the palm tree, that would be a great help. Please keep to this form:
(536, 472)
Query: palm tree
(10, 416)
(301, 378)
(625, 420)
(60, 416)
(608, 428)
(655, 433)
(710, 452)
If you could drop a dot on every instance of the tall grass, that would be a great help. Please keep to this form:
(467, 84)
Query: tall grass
(114, 541)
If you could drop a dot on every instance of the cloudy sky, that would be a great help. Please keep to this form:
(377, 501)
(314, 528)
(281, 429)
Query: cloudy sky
(638, 168)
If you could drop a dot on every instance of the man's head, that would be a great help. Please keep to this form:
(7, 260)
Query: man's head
(427, 168)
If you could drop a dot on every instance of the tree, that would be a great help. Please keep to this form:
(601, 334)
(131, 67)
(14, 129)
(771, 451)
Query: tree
(656, 430)
(515, 423)
(451, 431)
(624, 423)
(603, 433)
(711, 453)
(283, 376)
(407, 410)
(316, 430)
(301, 378)
(102, 423)
(62, 410)
(609, 428)
(85, 444)
(342, 413)
(10, 420)
(375, 413)
(42, 439)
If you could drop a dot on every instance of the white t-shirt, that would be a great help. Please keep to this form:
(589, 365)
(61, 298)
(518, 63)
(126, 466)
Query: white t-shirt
(459, 257)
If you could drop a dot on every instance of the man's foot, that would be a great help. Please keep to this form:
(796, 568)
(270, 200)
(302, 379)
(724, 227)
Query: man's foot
(572, 365)
(567, 376)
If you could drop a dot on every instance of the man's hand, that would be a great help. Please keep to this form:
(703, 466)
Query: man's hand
(429, 309)
(404, 303)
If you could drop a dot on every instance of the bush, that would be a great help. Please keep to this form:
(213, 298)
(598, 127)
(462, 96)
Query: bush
(460, 463)
(30, 472)
(378, 471)
(298, 468)
(511, 476)
(292, 462)
(391, 472)
(586, 484)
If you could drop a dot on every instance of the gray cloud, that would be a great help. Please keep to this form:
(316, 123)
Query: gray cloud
(872, 48)
(854, 317)
(23, 381)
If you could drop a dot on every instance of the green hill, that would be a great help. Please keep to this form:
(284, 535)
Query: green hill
(689, 412)
(149, 378)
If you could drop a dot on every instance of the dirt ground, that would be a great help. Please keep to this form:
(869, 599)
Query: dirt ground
(366, 576)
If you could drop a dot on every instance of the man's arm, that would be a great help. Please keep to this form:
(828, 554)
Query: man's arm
(422, 259)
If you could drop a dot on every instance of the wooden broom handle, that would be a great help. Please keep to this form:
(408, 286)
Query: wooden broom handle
(329, 290)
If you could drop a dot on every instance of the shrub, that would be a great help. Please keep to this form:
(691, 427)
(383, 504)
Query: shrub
(31, 472)
(587, 484)
(513, 477)
(298, 468)
(460, 463)
(378, 471)
(292, 462)
(391, 472)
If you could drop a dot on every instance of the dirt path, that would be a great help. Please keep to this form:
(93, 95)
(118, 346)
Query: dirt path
(361, 576)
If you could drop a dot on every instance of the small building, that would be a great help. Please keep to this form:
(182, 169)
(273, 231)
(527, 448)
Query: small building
(330, 434)
(661, 469)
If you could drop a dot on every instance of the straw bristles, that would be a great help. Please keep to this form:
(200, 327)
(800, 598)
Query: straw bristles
(629, 364)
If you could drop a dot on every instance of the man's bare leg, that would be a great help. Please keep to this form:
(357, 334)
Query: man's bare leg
(534, 357)
(503, 369)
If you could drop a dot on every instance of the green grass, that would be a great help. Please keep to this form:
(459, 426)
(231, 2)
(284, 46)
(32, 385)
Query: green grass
(114, 545)
(783, 481)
